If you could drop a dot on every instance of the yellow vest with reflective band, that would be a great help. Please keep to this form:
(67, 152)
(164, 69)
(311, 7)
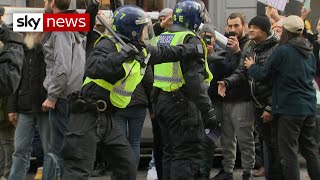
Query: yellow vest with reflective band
(168, 76)
(121, 91)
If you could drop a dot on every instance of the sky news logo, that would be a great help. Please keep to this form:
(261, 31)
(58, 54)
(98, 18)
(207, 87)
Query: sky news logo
(39, 22)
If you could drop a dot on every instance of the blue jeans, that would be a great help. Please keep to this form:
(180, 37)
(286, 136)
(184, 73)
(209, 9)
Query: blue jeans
(152, 162)
(58, 120)
(6, 149)
(130, 121)
(23, 141)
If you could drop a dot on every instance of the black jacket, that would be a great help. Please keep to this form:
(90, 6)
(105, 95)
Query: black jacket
(292, 67)
(106, 63)
(11, 61)
(241, 91)
(261, 90)
(31, 93)
(218, 68)
(141, 95)
(316, 51)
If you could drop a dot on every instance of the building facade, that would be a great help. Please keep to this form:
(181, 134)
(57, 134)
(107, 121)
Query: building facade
(219, 10)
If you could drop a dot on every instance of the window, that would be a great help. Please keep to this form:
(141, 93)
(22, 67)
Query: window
(35, 3)
(104, 4)
(147, 5)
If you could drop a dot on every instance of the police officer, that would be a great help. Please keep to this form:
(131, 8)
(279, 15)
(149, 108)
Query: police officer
(112, 73)
(181, 96)
(11, 58)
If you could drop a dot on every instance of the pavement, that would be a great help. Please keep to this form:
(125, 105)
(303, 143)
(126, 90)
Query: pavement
(142, 174)
(236, 175)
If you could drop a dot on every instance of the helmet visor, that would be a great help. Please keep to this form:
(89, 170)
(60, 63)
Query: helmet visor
(147, 35)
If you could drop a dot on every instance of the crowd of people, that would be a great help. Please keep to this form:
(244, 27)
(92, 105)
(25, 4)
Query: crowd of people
(87, 95)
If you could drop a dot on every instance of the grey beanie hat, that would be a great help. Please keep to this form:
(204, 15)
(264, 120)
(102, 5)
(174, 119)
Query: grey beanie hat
(207, 28)
(2, 11)
(164, 12)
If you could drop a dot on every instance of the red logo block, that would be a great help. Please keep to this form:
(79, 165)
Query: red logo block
(66, 22)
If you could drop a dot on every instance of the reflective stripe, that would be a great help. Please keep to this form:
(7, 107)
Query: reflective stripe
(168, 79)
(121, 89)
(122, 92)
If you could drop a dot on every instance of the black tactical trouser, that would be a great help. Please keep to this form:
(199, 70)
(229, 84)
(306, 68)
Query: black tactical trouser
(157, 146)
(86, 130)
(208, 146)
(182, 134)
(269, 141)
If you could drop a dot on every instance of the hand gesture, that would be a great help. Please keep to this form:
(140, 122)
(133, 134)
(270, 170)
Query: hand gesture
(167, 23)
(248, 62)
(304, 13)
(222, 88)
(266, 117)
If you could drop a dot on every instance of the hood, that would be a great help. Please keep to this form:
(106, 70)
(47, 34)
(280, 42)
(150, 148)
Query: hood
(302, 45)
(271, 41)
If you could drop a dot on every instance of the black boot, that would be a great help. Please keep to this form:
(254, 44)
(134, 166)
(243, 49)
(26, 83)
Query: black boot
(222, 175)
(99, 170)
(246, 175)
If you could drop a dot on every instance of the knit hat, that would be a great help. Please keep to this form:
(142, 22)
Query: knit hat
(208, 28)
(2, 11)
(262, 22)
(294, 24)
(164, 12)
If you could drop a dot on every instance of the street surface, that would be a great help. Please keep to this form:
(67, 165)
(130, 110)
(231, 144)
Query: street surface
(142, 174)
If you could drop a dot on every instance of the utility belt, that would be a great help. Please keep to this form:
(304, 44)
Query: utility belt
(79, 104)
(178, 96)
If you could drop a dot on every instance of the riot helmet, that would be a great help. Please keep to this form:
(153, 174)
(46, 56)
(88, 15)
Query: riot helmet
(190, 14)
(133, 23)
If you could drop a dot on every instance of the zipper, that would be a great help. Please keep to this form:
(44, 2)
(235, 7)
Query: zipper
(251, 85)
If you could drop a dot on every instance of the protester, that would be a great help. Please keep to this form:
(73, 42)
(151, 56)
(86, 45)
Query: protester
(25, 107)
(294, 100)
(65, 64)
(238, 111)
(277, 28)
(263, 42)
(11, 61)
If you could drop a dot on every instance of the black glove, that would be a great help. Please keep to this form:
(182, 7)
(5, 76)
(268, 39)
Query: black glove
(129, 51)
(6, 35)
(210, 120)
